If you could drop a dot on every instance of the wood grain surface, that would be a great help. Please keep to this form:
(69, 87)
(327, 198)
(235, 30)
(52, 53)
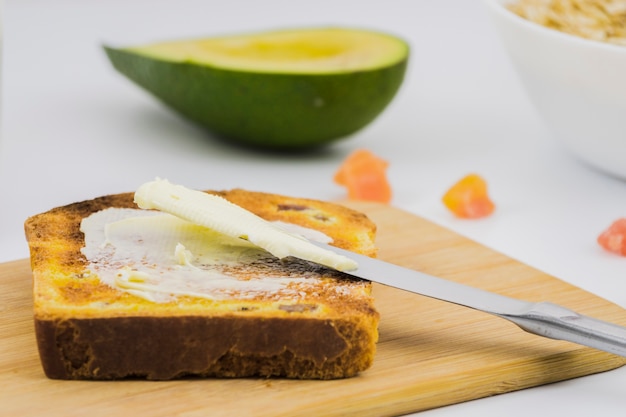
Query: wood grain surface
(430, 353)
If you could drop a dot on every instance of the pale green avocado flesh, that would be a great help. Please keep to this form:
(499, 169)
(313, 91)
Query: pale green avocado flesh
(278, 90)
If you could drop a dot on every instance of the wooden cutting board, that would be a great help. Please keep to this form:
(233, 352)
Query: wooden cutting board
(430, 353)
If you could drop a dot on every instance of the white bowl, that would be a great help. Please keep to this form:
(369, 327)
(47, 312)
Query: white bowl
(578, 86)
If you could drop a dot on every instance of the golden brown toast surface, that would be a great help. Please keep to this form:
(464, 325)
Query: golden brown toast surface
(328, 331)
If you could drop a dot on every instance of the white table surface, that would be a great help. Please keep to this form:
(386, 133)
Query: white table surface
(74, 129)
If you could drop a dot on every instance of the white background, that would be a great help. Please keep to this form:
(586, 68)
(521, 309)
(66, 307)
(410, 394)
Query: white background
(74, 129)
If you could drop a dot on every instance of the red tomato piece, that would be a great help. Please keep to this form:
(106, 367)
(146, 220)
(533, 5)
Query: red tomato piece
(365, 177)
(613, 239)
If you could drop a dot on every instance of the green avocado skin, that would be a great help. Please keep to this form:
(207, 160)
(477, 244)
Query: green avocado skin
(266, 110)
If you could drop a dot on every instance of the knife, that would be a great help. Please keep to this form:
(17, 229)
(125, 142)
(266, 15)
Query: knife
(541, 318)
(544, 318)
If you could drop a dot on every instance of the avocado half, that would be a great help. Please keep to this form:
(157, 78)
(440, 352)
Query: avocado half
(286, 90)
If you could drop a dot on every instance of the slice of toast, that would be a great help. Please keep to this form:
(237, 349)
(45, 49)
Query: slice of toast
(320, 324)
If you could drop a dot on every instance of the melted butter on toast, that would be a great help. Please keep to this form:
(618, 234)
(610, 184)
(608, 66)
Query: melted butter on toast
(158, 257)
(220, 215)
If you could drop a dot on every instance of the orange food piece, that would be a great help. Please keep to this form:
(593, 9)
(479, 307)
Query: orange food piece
(365, 177)
(468, 198)
(613, 239)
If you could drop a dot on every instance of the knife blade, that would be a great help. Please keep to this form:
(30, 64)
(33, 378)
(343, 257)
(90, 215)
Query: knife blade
(540, 318)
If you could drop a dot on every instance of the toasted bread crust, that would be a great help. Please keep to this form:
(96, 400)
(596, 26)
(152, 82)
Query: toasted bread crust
(142, 347)
(322, 336)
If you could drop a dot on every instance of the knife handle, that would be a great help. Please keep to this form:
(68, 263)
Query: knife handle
(557, 322)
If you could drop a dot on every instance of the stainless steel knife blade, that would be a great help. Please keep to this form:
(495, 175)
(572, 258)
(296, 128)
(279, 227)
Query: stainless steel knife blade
(541, 318)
